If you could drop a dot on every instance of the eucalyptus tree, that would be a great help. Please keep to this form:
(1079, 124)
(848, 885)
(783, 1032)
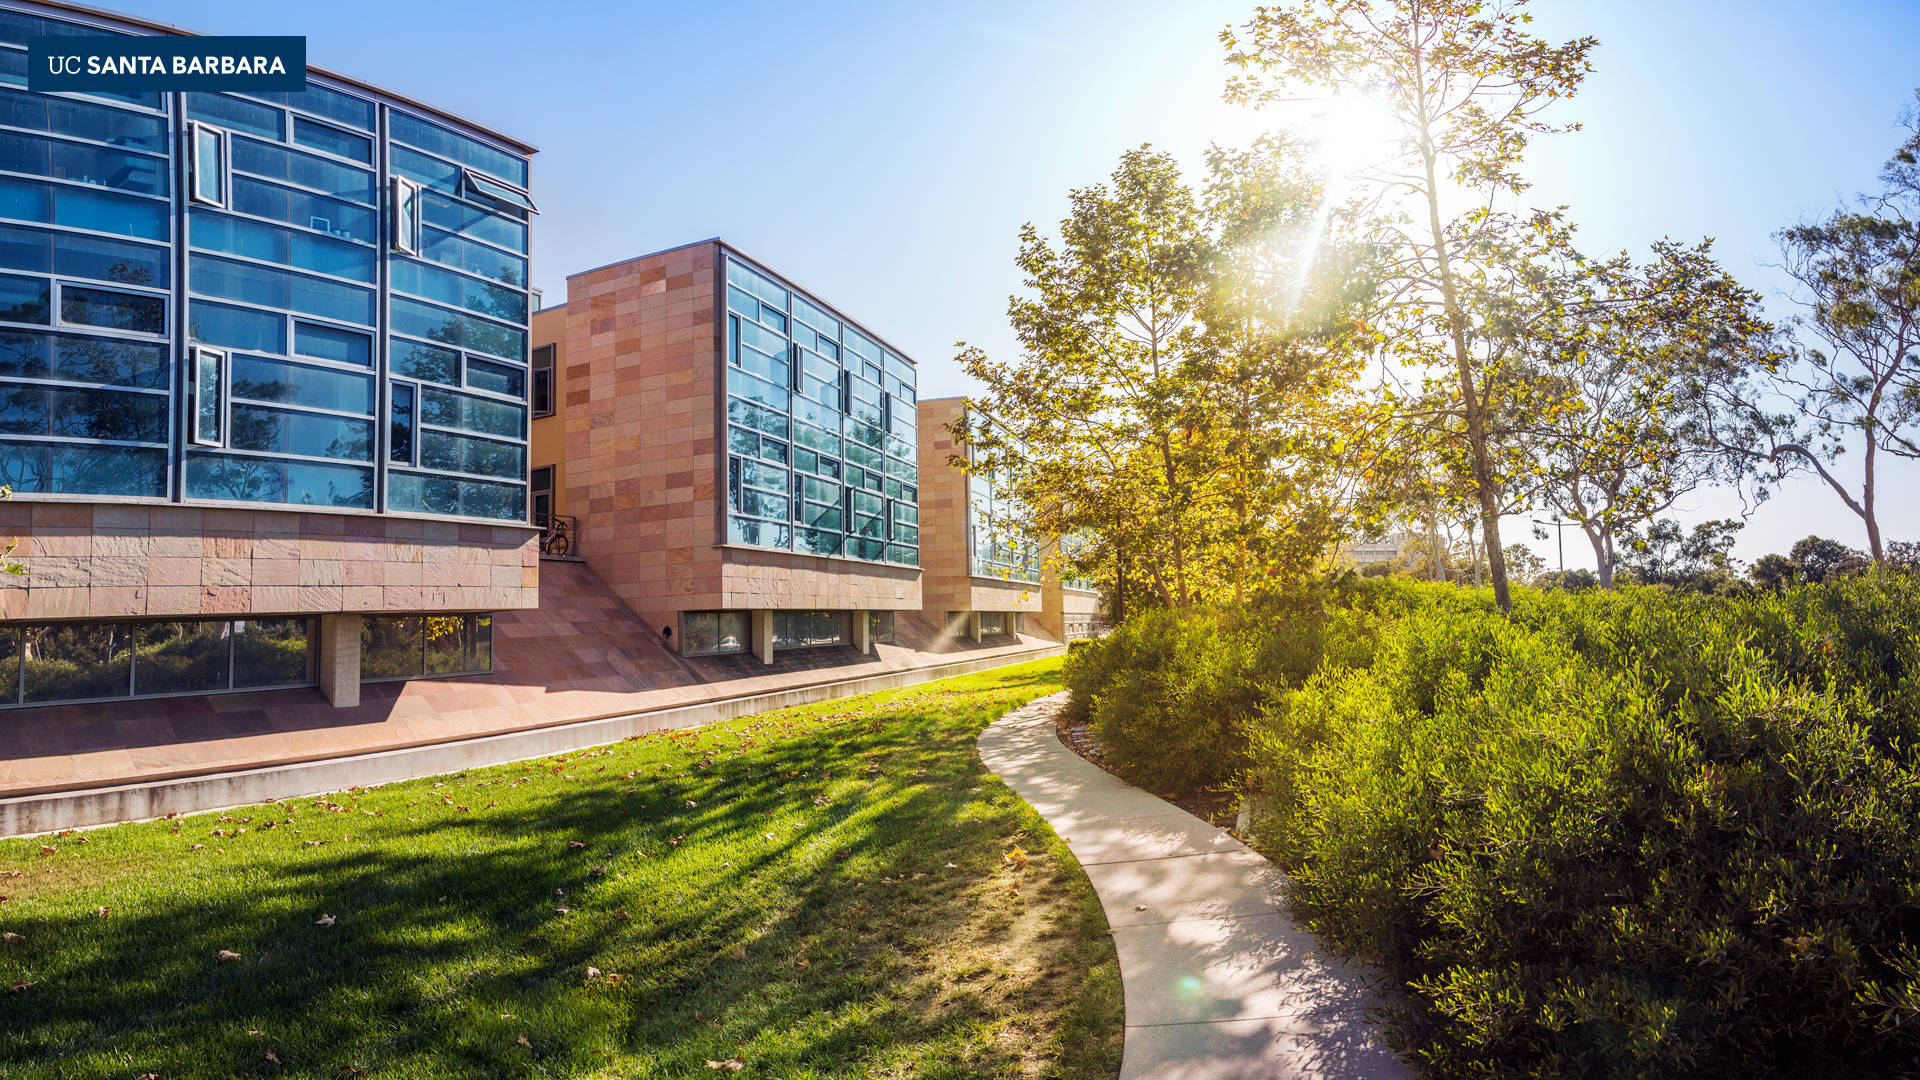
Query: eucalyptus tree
(1856, 383)
(1616, 352)
(1466, 86)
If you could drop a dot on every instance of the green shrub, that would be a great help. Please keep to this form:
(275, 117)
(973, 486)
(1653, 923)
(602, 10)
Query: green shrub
(1618, 834)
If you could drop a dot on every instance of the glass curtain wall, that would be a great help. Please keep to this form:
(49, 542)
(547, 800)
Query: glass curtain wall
(821, 430)
(993, 544)
(85, 274)
(307, 379)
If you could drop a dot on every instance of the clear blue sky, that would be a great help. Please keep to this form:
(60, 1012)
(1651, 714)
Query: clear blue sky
(885, 154)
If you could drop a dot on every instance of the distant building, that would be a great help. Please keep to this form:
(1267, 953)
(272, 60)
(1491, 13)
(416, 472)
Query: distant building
(1364, 552)
(733, 456)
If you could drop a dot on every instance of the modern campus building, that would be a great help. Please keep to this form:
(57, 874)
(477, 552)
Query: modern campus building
(263, 384)
(734, 457)
(302, 481)
(981, 579)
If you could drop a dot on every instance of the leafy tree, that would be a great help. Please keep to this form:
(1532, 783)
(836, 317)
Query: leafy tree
(1812, 560)
(1466, 85)
(1615, 350)
(7, 565)
(1664, 554)
(1092, 421)
(1280, 354)
(1857, 273)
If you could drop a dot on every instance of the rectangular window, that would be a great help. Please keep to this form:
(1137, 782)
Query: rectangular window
(207, 164)
(543, 380)
(400, 431)
(110, 309)
(542, 491)
(209, 396)
(78, 662)
(408, 646)
(406, 216)
(713, 633)
(880, 627)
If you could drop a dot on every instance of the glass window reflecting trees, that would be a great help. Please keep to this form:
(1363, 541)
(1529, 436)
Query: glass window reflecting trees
(45, 664)
(820, 430)
(994, 542)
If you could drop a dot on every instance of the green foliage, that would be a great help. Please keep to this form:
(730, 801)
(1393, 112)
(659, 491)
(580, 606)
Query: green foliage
(1811, 560)
(1641, 833)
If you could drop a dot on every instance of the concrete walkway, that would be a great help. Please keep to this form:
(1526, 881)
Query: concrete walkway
(1219, 983)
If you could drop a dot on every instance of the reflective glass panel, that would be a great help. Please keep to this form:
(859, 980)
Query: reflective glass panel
(181, 657)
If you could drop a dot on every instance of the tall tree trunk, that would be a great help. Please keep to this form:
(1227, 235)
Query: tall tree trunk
(1469, 397)
(1866, 505)
(1602, 557)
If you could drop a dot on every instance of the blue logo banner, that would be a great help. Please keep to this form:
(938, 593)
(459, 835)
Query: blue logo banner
(166, 63)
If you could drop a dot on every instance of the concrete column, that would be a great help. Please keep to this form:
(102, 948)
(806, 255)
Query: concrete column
(862, 631)
(340, 659)
(763, 636)
(973, 626)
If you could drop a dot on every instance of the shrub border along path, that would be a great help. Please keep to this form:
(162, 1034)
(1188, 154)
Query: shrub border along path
(1219, 984)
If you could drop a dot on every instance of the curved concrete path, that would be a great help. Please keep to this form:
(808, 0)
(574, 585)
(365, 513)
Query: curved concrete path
(1219, 984)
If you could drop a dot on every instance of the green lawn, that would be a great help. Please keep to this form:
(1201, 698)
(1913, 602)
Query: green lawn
(821, 891)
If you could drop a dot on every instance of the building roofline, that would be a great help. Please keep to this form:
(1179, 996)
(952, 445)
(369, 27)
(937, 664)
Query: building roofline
(812, 294)
(179, 31)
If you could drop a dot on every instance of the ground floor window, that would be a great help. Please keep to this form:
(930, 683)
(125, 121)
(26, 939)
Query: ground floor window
(714, 633)
(810, 629)
(993, 622)
(410, 646)
(50, 663)
(880, 627)
(1076, 627)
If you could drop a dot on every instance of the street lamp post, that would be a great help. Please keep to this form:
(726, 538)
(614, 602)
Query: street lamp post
(1558, 539)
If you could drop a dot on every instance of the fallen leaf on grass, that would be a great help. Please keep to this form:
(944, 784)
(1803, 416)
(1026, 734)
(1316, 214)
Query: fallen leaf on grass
(522, 1040)
(576, 844)
(953, 866)
(1017, 858)
(102, 912)
(228, 954)
(593, 972)
(44, 850)
(21, 987)
(729, 1065)
(11, 936)
(323, 920)
(271, 1057)
(563, 911)
(621, 914)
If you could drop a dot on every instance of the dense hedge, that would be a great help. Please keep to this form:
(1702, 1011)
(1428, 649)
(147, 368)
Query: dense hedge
(1616, 834)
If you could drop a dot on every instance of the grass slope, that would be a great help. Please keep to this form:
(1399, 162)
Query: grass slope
(817, 892)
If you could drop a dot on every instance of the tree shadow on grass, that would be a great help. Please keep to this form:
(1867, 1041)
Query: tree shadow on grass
(825, 950)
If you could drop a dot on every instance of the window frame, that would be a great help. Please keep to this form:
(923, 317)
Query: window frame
(223, 142)
(404, 225)
(540, 381)
(197, 354)
(412, 388)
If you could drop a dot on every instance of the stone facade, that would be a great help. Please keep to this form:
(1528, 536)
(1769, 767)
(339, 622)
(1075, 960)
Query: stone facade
(644, 462)
(100, 560)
